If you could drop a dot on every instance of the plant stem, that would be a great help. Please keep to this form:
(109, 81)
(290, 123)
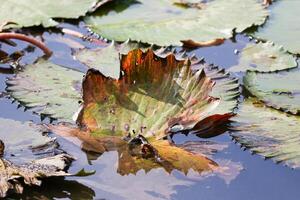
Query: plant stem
(18, 36)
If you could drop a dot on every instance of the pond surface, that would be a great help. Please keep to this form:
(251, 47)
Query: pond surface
(258, 179)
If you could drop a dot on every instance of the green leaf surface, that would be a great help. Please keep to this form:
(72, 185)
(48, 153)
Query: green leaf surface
(107, 61)
(171, 24)
(283, 27)
(280, 90)
(264, 57)
(47, 89)
(268, 132)
(154, 96)
(34, 12)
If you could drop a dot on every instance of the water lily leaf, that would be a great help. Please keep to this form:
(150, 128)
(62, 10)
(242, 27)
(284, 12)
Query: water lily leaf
(279, 90)
(27, 156)
(154, 97)
(268, 132)
(47, 89)
(33, 13)
(264, 57)
(216, 21)
(283, 27)
(106, 60)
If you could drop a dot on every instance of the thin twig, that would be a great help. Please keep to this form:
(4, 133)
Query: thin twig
(18, 36)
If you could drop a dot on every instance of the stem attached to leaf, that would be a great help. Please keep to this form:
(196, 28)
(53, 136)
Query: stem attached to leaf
(18, 36)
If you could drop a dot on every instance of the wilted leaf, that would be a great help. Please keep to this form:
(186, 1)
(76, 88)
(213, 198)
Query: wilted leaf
(47, 89)
(34, 12)
(27, 156)
(280, 90)
(264, 57)
(283, 27)
(268, 132)
(171, 24)
(13, 177)
(108, 61)
(154, 97)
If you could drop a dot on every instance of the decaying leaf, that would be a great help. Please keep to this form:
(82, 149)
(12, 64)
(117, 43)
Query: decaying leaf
(172, 24)
(13, 177)
(47, 89)
(279, 90)
(283, 27)
(27, 156)
(107, 61)
(264, 57)
(268, 132)
(154, 96)
(26, 13)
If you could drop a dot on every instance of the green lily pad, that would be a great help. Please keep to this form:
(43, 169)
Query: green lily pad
(264, 57)
(171, 24)
(34, 12)
(47, 89)
(107, 59)
(279, 90)
(268, 132)
(283, 27)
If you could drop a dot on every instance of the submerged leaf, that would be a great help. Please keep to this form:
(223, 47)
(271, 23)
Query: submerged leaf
(283, 27)
(264, 57)
(47, 89)
(280, 90)
(172, 24)
(24, 141)
(34, 12)
(268, 132)
(131, 158)
(27, 156)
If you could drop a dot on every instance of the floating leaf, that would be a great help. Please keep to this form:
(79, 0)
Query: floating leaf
(47, 89)
(280, 90)
(34, 12)
(264, 57)
(154, 96)
(268, 132)
(27, 153)
(172, 24)
(107, 61)
(283, 27)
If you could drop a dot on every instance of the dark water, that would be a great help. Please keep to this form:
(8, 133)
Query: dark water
(259, 180)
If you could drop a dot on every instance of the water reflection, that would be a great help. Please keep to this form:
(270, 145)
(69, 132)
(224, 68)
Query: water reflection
(55, 188)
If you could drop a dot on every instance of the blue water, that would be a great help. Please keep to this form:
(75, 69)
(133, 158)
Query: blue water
(258, 180)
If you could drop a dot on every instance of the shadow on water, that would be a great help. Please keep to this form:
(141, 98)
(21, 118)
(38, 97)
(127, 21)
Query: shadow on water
(259, 180)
